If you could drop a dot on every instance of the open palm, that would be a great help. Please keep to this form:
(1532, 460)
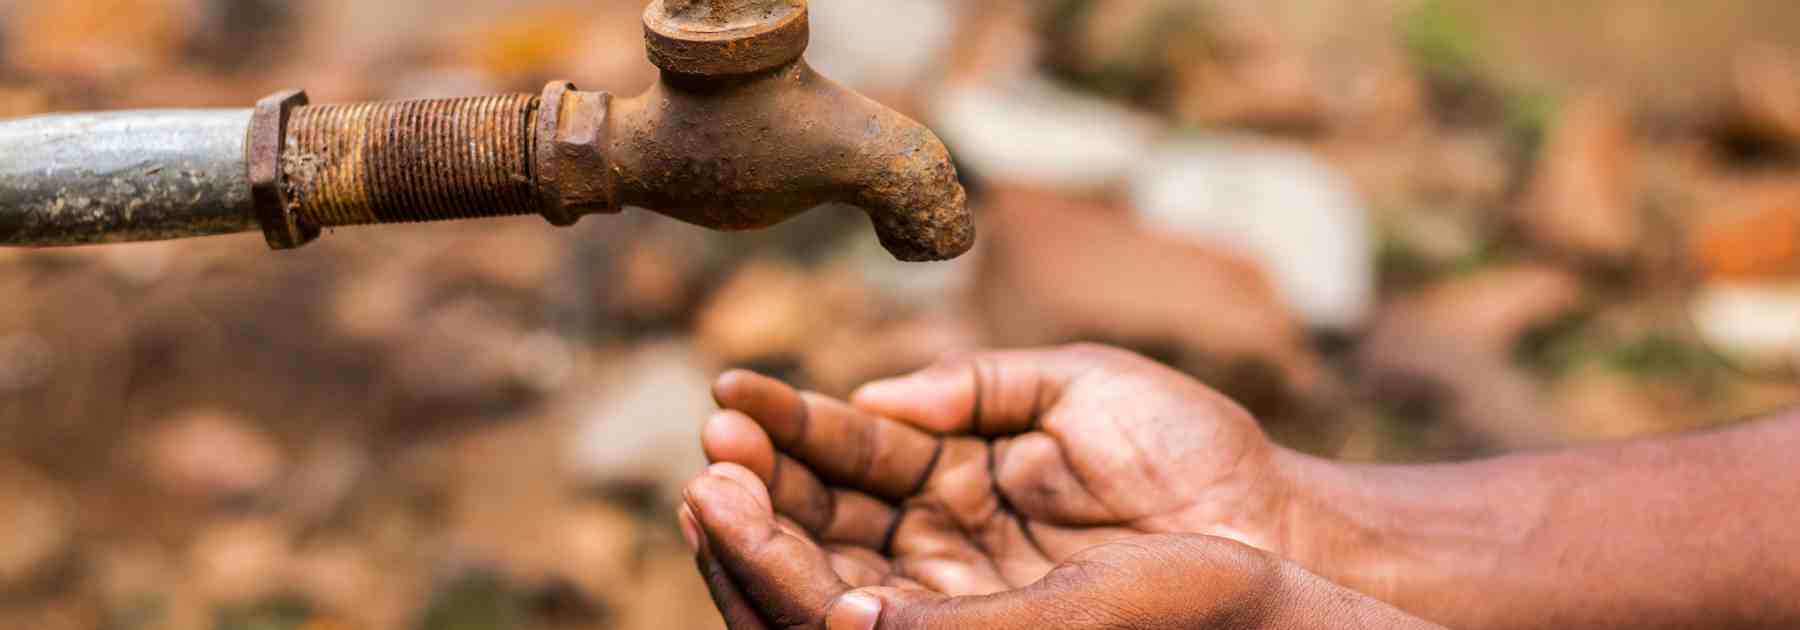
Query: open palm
(983, 474)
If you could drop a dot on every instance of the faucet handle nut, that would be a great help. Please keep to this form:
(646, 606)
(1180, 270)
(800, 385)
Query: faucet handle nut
(725, 37)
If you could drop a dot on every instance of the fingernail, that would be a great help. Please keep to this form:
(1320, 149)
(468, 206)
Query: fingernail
(856, 611)
(690, 530)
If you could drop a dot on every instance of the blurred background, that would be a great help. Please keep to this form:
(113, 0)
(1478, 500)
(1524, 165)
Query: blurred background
(1398, 230)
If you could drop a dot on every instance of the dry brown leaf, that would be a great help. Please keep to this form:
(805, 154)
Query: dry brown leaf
(1056, 269)
(1455, 341)
(1581, 202)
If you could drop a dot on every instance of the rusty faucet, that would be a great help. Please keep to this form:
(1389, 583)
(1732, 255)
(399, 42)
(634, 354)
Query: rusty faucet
(739, 133)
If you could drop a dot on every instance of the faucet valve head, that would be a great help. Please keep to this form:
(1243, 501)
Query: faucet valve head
(725, 37)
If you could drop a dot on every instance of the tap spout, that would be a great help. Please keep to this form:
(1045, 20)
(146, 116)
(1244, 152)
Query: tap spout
(751, 151)
(740, 133)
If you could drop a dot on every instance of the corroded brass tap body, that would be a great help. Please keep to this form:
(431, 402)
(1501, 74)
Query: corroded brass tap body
(739, 133)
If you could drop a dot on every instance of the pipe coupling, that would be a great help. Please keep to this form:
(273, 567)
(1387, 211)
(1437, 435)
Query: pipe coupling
(315, 167)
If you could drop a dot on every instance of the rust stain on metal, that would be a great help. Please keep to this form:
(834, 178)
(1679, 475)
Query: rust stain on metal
(411, 161)
(754, 151)
(725, 37)
(574, 172)
(739, 133)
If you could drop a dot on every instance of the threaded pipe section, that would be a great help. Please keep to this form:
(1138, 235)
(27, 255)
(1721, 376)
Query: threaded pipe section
(411, 161)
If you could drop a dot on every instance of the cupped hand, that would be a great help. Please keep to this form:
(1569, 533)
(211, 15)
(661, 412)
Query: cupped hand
(767, 573)
(984, 473)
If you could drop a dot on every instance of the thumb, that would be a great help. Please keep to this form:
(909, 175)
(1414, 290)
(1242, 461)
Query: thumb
(1032, 608)
(986, 394)
(1151, 582)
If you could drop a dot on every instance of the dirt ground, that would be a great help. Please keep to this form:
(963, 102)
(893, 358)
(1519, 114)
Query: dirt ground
(482, 426)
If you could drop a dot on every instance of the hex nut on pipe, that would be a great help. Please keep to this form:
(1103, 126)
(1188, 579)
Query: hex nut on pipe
(282, 227)
(574, 176)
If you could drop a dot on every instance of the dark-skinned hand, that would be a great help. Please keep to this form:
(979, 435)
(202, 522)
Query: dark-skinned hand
(1074, 488)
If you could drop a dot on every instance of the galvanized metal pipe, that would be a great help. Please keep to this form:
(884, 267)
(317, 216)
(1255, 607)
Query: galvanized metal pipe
(79, 179)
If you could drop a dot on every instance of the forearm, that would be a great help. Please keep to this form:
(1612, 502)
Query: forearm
(1700, 531)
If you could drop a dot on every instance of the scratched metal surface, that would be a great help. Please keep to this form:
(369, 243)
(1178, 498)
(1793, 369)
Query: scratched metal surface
(78, 179)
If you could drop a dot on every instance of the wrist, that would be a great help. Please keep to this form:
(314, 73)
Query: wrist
(1424, 538)
(1322, 530)
(1305, 600)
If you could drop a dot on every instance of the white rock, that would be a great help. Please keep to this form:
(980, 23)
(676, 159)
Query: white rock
(645, 428)
(1287, 209)
(1031, 131)
(880, 44)
(1754, 324)
(212, 455)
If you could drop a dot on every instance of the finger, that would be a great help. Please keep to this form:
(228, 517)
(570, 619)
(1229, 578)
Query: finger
(963, 489)
(1033, 608)
(856, 611)
(1150, 582)
(860, 567)
(861, 520)
(750, 482)
(774, 404)
(731, 436)
(757, 395)
(930, 549)
(833, 516)
(883, 457)
(985, 394)
(737, 611)
(690, 529)
(842, 444)
(895, 580)
(789, 578)
(1017, 557)
(1061, 543)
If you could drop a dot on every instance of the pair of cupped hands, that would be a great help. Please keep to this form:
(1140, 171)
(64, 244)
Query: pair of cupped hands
(1080, 488)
